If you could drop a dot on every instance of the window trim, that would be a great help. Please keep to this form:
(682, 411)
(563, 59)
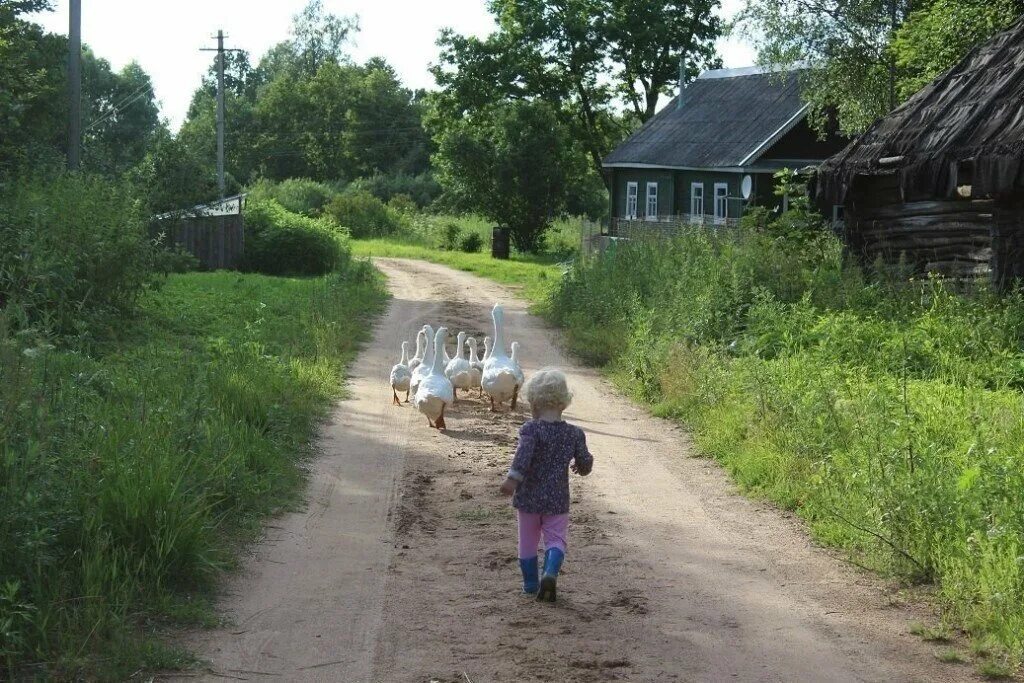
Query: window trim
(723, 218)
(632, 192)
(648, 214)
(694, 186)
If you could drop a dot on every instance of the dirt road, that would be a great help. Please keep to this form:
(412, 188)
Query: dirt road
(403, 567)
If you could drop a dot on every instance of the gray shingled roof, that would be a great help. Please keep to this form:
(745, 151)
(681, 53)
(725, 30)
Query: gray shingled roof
(728, 118)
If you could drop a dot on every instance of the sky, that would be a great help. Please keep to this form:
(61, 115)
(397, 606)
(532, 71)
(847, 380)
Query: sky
(166, 37)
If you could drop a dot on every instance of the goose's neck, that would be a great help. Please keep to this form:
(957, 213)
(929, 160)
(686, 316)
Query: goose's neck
(438, 365)
(472, 351)
(405, 353)
(515, 353)
(498, 344)
(420, 344)
(461, 341)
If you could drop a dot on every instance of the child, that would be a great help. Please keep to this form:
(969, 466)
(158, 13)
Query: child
(539, 479)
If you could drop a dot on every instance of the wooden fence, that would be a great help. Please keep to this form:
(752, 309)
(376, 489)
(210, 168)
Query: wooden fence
(217, 241)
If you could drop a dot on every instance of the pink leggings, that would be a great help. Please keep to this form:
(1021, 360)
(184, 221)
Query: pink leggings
(555, 528)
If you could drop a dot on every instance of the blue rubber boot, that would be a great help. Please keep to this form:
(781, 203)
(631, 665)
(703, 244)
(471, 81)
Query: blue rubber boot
(548, 583)
(531, 580)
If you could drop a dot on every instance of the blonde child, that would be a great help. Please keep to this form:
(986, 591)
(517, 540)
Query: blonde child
(538, 480)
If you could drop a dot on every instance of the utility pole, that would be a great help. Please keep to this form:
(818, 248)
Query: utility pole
(220, 50)
(75, 86)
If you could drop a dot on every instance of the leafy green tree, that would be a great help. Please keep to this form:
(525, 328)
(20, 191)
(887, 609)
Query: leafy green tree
(563, 51)
(509, 162)
(860, 58)
(937, 36)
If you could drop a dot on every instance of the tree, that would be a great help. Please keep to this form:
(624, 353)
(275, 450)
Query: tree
(860, 58)
(562, 51)
(508, 162)
(937, 36)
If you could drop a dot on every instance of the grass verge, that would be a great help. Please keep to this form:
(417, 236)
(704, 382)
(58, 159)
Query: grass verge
(130, 471)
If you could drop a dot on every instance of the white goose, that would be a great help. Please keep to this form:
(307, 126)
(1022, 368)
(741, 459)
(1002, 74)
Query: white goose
(435, 392)
(476, 366)
(421, 342)
(423, 369)
(499, 380)
(518, 370)
(400, 375)
(458, 368)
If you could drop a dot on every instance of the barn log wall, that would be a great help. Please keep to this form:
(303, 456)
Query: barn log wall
(949, 237)
(1008, 243)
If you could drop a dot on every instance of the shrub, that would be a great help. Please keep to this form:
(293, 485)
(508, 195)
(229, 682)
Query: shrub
(298, 195)
(74, 251)
(886, 412)
(421, 189)
(280, 242)
(471, 243)
(449, 236)
(403, 203)
(365, 215)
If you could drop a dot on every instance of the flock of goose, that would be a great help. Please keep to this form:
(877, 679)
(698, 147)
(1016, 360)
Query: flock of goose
(433, 378)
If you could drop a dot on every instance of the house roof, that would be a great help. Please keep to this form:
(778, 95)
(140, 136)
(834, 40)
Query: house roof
(972, 113)
(728, 119)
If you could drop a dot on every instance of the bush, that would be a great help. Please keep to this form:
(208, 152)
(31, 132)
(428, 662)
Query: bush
(365, 215)
(421, 189)
(280, 242)
(864, 403)
(471, 243)
(449, 236)
(74, 252)
(298, 195)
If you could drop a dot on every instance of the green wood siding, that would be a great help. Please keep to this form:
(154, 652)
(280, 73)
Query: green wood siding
(674, 191)
(666, 190)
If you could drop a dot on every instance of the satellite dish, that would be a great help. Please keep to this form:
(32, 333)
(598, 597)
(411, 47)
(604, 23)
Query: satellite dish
(747, 186)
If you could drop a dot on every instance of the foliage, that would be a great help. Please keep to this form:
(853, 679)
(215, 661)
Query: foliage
(886, 412)
(450, 236)
(939, 34)
(74, 252)
(561, 53)
(471, 243)
(421, 189)
(509, 163)
(860, 58)
(364, 215)
(280, 242)
(127, 474)
(298, 195)
(172, 177)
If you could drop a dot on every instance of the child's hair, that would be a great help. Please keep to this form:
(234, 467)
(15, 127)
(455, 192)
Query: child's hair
(547, 389)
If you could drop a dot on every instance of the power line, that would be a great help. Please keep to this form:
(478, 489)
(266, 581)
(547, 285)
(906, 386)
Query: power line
(120, 108)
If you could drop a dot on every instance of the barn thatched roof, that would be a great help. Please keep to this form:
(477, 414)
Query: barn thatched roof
(971, 117)
(728, 118)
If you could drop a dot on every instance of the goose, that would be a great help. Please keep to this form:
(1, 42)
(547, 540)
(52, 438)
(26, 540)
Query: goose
(458, 368)
(421, 342)
(499, 380)
(400, 375)
(435, 391)
(423, 369)
(476, 366)
(518, 370)
(487, 348)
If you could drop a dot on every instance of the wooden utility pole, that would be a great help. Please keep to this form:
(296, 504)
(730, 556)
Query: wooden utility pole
(220, 50)
(75, 86)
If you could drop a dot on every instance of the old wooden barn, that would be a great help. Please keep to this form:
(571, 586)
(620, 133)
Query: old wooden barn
(940, 180)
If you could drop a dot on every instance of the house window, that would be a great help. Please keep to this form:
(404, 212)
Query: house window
(631, 193)
(721, 202)
(697, 202)
(652, 201)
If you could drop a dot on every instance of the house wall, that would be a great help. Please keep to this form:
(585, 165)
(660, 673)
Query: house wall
(666, 190)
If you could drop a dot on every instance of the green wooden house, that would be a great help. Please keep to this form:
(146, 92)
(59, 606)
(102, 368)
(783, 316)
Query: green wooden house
(711, 153)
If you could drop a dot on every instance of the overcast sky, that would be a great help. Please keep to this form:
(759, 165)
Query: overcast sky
(165, 37)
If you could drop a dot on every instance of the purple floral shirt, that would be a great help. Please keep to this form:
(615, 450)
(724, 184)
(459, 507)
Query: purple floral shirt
(541, 465)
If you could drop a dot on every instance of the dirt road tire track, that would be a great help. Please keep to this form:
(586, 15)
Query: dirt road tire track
(403, 566)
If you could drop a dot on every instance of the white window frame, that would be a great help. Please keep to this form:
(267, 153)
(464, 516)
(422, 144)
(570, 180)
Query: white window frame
(697, 203)
(632, 198)
(721, 201)
(649, 214)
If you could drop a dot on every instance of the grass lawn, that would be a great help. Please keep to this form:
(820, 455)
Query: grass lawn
(535, 276)
(131, 469)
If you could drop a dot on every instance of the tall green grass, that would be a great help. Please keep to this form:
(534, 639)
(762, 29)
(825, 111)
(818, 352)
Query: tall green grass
(887, 412)
(130, 469)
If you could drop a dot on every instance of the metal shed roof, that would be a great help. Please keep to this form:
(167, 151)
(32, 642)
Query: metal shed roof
(728, 119)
